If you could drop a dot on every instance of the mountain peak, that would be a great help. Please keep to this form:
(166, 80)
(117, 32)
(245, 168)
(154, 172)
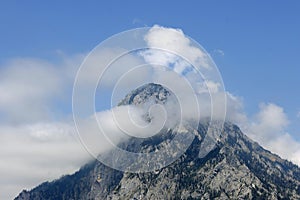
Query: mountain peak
(147, 92)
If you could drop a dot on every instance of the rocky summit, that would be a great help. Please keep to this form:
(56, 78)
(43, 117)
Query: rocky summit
(236, 168)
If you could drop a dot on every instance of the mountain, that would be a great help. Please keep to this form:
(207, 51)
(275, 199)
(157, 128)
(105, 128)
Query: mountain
(236, 168)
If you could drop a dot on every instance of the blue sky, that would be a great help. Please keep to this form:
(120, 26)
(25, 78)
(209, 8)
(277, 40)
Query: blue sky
(260, 40)
(255, 45)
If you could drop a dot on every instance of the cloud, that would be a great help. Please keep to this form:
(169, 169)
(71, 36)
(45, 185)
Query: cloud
(33, 153)
(268, 128)
(106, 129)
(219, 52)
(30, 88)
(173, 43)
(36, 145)
(286, 146)
(270, 120)
(25, 86)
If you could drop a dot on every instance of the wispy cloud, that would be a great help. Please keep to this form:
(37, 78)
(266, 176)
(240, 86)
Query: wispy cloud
(219, 52)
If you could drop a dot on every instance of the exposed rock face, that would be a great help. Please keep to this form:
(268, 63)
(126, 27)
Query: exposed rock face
(149, 92)
(237, 168)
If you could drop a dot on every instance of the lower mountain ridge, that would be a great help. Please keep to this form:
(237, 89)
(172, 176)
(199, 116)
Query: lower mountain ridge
(236, 168)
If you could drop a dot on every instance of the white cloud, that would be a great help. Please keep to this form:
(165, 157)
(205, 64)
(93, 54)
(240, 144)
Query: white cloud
(268, 128)
(270, 120)
(108, 128)
(33, 153)
(173, 44)
(286, 146)
(33, 147)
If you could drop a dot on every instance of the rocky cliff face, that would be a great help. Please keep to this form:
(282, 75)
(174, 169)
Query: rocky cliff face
(237, 168)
